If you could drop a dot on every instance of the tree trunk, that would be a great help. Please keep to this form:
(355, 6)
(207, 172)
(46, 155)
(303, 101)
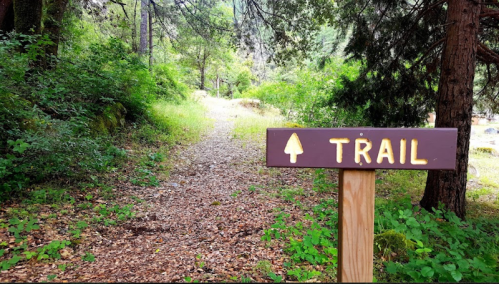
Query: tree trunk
(135, 47)
(455, 104)
(143, 26)
(6, 15)
(202, 68)
(53, 23)
(28, 16)
(218, 86)
(150, 37)
(202, 71)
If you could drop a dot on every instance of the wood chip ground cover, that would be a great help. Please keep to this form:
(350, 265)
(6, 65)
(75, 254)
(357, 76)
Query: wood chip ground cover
(203, 223)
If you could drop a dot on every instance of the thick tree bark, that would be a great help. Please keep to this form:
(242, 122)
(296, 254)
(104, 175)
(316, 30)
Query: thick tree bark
(455, 104)
(52, 24)
(6, 15)
(28, 16)
(143, 26)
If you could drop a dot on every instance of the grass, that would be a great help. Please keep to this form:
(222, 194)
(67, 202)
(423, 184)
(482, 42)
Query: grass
(169, 124)
(179, 123)
(254, 128)
(183, 122)
(395, 184)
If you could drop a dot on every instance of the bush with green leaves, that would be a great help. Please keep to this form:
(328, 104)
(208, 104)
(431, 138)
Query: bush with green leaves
(169, 87)
(56, 122)
(411, 244)
(444, 248)
(303, 95)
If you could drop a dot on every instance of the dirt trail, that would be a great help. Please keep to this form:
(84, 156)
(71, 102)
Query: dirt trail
(203, 223)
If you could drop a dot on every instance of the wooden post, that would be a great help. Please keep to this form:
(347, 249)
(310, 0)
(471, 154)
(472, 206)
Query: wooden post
(356, 225)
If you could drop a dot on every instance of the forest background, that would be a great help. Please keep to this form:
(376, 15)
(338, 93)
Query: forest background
(81, 79)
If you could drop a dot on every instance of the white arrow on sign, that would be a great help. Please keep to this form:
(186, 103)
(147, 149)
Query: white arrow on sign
(293, 148)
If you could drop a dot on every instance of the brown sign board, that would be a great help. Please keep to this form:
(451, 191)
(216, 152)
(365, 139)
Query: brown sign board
(362, 148)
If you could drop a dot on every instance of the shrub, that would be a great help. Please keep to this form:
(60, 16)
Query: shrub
(305, 95)
(47, 116)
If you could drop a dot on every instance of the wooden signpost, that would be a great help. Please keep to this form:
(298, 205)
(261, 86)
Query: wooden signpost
(357, 152)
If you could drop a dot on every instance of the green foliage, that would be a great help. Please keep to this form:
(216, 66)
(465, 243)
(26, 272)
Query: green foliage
(7, 264)
(56, 122)
(235, 193)
(20, 226)
(313, 245)
(88, 257)
(303, 275)
(264, 267)
(412, 245)
(400, 77)
(442, 247)
(289, 194)
(119, 213)
(304, 94)
(62, 267)
(45, 117)
(390, 242)
(80, 225)
(47, 196)
(321, 184)
(245, 279)
(167, 83)
(254, 128)
(171, 123)
(145, 177)
(52, 250)
(275, 278)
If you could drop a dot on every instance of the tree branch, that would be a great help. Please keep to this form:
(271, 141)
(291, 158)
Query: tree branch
(487, 55)
(487, 12)
(122, 7)
(433, 46)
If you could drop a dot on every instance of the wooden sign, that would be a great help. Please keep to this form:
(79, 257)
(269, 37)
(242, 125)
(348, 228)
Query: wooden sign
(357, 152)
(362, 148)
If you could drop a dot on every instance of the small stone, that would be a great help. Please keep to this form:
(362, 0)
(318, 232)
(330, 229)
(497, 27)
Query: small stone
(490, 131)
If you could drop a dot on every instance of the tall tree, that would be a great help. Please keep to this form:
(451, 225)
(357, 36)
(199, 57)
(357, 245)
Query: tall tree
(420, 55)
(205, 35)
(455, 103)
(52, 23)
(143, 25)
(150, 38)
(135, 48)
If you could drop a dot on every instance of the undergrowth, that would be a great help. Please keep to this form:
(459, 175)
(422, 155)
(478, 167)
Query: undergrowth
(254, 128)
(68, 122)
(411, 244)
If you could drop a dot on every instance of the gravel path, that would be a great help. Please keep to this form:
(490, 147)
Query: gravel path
(203, 223)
